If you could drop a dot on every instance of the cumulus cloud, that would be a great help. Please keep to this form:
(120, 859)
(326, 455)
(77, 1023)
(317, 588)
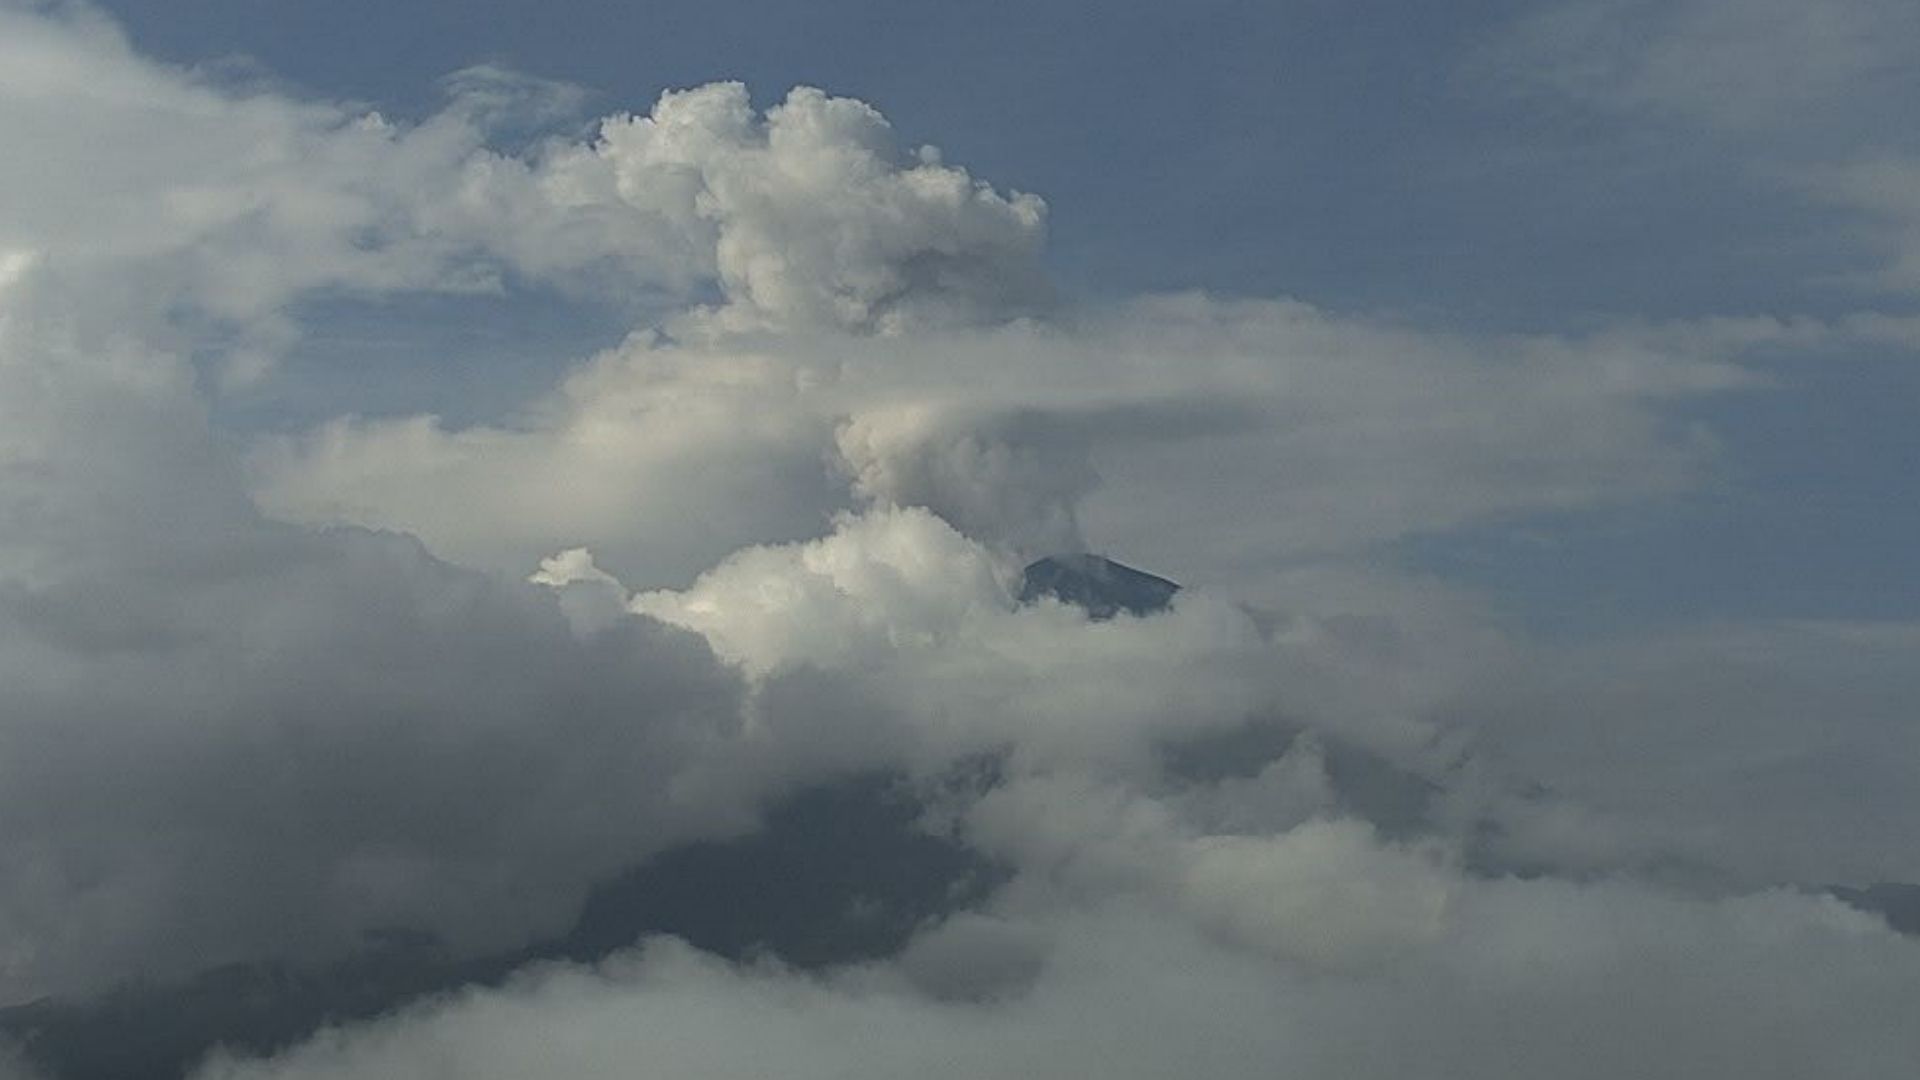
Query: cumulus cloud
(808, 216)
(659, 458)
(174, 190)
(264, 694)
(229, 739)
(299, 740)
(920, 617)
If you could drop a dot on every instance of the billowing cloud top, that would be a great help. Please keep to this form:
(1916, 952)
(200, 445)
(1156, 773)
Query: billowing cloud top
(271, 691)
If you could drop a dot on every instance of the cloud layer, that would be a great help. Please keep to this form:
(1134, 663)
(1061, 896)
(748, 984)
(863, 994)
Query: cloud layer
(1529, 980)
(266, 693)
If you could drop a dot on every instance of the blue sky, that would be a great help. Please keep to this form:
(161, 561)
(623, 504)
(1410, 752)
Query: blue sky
(1407, 162)
(1363, 160)
(453, 455)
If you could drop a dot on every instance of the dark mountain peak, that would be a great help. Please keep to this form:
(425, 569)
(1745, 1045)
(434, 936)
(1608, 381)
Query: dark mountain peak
(1104, 587)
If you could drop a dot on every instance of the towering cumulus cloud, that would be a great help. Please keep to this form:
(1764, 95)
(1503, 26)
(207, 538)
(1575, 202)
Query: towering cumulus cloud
(275, 695)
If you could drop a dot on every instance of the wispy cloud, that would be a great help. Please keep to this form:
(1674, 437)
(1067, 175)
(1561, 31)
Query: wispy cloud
(265, 694)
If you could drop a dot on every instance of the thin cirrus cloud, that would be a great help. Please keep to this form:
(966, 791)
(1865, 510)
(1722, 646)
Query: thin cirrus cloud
(265, 695)
(1802, 97)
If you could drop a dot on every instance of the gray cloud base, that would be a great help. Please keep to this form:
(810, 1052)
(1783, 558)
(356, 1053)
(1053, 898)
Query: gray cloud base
(246, 714)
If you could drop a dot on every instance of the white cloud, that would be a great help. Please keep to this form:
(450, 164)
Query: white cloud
(1763, 751)
(153, 187)
(894, 578)
(781, 532)
(1321, 893)
(1809, 96)
(1527, 980)
(1733, 756)
(268, 747)
(920, 619)
(1011, 477)
(1211, 440)
(229, 739)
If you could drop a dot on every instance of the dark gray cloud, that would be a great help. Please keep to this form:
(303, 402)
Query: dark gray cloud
(307, 737)
(1563, 982)
(291, 698)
